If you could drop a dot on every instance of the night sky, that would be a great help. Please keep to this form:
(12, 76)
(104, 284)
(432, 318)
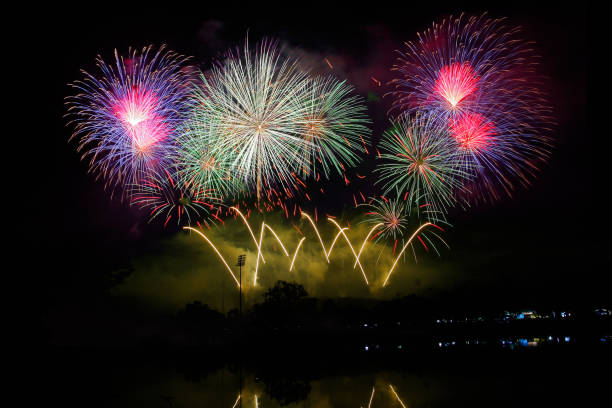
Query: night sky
(541, 246)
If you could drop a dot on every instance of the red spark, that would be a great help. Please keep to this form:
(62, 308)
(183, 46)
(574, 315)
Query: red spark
(455, 82)
(472, 130)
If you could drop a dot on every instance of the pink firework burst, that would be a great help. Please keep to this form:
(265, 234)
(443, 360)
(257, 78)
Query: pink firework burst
(455, 82)
(137, 112)
(472, 131)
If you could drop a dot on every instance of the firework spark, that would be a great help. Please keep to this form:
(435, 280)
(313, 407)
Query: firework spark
(248, 110)
(422, 161)
(334, 127)
(166, 198)
(201, 165)
(126, 118)
(477, 78)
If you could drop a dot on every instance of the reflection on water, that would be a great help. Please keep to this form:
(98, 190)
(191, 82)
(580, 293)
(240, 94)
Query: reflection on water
(476, 372)
(505, 342)
(457, 384)
(384, 395)
(222, 390)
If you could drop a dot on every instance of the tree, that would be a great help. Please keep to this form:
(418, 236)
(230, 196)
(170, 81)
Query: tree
(201, 320)
(284, 294)
(283, 305)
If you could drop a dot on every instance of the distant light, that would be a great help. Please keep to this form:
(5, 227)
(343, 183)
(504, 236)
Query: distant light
(366, 348)
(567, 339)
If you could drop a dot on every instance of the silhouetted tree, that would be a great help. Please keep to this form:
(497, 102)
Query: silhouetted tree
(201, 320)
(284, 305)
(284, 294)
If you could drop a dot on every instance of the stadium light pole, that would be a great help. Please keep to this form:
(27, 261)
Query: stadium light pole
(240, 264)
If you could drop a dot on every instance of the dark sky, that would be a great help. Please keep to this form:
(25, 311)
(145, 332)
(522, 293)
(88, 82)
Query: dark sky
(552, 245)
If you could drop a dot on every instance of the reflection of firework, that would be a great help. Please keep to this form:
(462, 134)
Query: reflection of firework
(421, 160)
(476, 76)
(166, 198)
(126, 119)
(333, 125)
(248, 110)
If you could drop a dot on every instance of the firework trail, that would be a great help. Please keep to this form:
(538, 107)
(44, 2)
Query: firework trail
(371, 398)
(342, 232)
(246, 223)
(408, 242)
(393, 217)
(420, 161)
(125, 118)
(365, 240)
(296, 252)
(477, 78)
(314, 226)
(216, 251)
(397, 396)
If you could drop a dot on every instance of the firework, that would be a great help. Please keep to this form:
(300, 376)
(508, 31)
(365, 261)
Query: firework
(216, 251)
(397, 396)
(477, 77)
(496, 152)
(371, 398)
(341, 231)
(421, 233)
(421, 161)
(166, 198)
(365, 240)
(334, 127)
(393, 217)
(248, 111)
(201, 165)
(296, 252)
(408, 242)
(126, 118)
(314, 226)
